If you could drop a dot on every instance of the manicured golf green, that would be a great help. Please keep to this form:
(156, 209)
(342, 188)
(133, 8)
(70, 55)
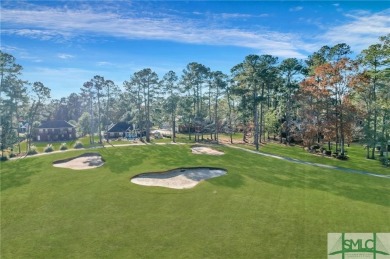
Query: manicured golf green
(263, 207)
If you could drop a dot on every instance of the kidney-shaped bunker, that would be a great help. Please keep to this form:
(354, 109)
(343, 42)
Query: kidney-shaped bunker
(181, 178)
(81, 162)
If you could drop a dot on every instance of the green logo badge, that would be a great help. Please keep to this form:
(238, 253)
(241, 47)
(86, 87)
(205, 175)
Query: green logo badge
(359, 245)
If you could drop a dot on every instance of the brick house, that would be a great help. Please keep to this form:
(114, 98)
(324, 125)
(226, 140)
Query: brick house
(57, 130)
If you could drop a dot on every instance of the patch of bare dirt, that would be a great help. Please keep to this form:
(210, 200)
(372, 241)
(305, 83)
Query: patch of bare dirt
(199, 150)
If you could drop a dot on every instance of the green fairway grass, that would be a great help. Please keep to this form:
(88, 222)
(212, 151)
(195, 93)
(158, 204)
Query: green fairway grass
(262, 208)
(356, 160)
(41, 145)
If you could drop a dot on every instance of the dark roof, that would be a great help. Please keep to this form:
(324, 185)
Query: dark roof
(120, 127)
(55, 124)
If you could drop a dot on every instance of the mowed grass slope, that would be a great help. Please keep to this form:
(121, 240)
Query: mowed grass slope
(263, 207)
(356, 157)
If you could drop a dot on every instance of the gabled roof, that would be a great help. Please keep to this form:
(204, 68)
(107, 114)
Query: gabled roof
(55, 124)
(120, 127)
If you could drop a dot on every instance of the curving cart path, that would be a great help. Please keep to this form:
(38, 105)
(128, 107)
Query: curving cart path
(297, 161)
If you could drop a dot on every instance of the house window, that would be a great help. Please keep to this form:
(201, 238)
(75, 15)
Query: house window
(41, 130)
(112, 134)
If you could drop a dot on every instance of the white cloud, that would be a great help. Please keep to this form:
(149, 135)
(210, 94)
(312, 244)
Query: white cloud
(12, 49)
(65, 56)
(20, 53)
(239, 15)
(263, 15)
(362, 31)
(49, 23)
(43, 34)
(103, 63)
(296, 9)
(235, 15)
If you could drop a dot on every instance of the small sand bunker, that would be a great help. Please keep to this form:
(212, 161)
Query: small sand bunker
(182, 178)
(206, 150)
(82, 162)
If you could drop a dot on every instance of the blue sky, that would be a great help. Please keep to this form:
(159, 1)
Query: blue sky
(65, 43)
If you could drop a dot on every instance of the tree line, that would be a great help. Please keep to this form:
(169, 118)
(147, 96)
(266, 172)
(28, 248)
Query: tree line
(327, 98)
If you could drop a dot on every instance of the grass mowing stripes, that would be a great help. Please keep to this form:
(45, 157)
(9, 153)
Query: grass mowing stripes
(263, 208)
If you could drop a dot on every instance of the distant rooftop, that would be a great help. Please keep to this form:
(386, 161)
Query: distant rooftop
(55, 124)
(120, 127)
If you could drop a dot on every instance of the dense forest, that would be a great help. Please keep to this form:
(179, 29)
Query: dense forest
(331, 97)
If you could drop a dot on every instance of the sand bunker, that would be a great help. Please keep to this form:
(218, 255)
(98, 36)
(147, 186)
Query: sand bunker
(182, 178)
(82, 162)
(206, 150)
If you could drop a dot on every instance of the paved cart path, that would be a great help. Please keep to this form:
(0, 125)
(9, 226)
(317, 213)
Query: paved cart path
(293, 160)
(297, 161)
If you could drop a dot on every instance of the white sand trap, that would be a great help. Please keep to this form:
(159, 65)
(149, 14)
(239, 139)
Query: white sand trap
(82, 162)
(178, 178)
(206, 150)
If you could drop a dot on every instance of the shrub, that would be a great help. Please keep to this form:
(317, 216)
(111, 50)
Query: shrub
(3, 158)
(49, 148)
(32, 151)
(315, 147)
(78, 144)
(342, 157)
(12, 155)
(63, 146)
(385, 161)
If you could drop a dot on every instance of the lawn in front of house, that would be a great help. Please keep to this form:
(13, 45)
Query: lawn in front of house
(41, 145)
(262, 208)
